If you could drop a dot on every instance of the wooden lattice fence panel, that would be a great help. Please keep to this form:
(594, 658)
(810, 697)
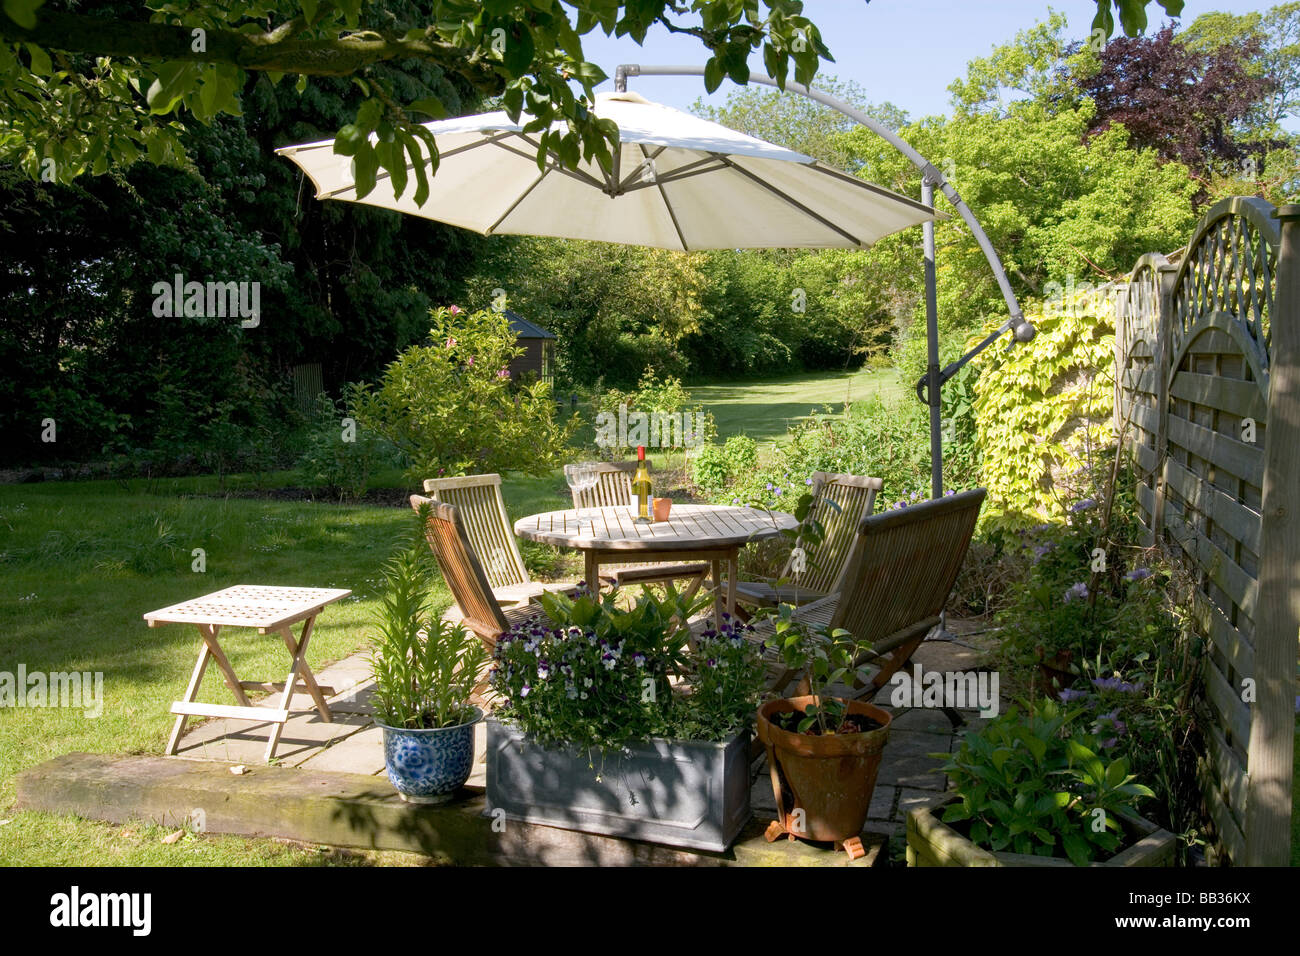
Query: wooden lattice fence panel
(1137, 342)
(1194, 363)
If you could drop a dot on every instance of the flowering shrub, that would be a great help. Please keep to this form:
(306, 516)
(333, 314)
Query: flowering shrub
(450, 407)
(588, 674)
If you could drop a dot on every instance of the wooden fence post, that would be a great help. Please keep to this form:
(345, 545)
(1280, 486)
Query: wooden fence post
(1272, 727)
(1165, 276)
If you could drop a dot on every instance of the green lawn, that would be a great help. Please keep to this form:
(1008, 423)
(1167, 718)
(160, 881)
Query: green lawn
(82, 561)
(766, 408)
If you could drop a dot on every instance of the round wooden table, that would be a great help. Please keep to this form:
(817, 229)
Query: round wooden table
(611, 535)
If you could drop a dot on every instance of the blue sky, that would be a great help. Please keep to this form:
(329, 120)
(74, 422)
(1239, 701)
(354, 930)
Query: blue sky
(903, 51)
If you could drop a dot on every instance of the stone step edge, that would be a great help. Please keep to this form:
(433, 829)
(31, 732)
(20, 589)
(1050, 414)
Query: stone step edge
(359, 811)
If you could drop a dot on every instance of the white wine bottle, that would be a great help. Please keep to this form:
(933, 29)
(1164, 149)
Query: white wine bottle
(641, 485)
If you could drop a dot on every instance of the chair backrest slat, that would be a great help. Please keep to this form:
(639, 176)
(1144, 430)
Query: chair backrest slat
(483, 514)
(854, 498)
(904, 564)
(613, 486)
(461, 570)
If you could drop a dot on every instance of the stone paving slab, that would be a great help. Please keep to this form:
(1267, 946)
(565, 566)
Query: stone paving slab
(917, 770)
(882, 802)
(361, 753)
(244, 741)
(761, 798)
(353, 669)
(478, 773)
(909, 800)
(921, 720)
(351, 680)
(355, 700)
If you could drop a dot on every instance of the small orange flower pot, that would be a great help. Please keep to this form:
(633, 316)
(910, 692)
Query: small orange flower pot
(661, 507)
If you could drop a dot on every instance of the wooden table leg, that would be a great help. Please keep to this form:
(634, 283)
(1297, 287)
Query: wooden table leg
(299, 662)
(209, 632)
(733, 574)
(591, 570)
(305, 671)
(716, 565)
(693, 588)
(196, 678)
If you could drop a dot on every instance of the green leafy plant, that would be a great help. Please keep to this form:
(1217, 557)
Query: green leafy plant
(714, 467)
(825, 655)
(880, 436)
(334, 462)
(1034, 782)
(535, 63)
(663, 395)
(591, 675)
(1043, 413)
(450, 407)
(424, 668)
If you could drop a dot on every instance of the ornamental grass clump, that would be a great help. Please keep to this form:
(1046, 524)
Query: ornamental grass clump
(588, 674)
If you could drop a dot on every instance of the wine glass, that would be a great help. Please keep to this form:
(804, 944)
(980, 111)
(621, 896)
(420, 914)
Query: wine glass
(581, 477)
(590, 477)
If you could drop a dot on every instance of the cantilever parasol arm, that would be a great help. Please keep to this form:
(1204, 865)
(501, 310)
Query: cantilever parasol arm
(930, 173)
(927, 388)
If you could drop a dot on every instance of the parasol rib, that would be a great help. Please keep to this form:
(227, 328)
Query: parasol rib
(790, 200)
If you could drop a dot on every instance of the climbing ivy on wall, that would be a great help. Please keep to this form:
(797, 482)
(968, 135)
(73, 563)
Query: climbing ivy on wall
(1044, 411)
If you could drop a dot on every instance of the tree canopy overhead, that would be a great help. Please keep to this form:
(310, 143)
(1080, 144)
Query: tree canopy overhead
(81, 92)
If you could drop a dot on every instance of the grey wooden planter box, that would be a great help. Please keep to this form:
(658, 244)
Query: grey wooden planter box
(931, 842)
(677, 792)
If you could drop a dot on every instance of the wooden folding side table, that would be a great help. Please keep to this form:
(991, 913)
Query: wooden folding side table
(268, 609)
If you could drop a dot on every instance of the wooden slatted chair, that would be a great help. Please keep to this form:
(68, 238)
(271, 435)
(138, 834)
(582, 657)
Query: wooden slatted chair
(479, 608)
(842, 501)
(897, 580)
(613, 488)
(491, 535)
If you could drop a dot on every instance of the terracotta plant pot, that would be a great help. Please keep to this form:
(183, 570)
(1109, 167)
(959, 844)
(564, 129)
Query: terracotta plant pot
(661, 508)
(830, 779)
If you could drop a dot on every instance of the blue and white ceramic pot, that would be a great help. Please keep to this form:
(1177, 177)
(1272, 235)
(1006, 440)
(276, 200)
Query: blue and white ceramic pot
(428, 766)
